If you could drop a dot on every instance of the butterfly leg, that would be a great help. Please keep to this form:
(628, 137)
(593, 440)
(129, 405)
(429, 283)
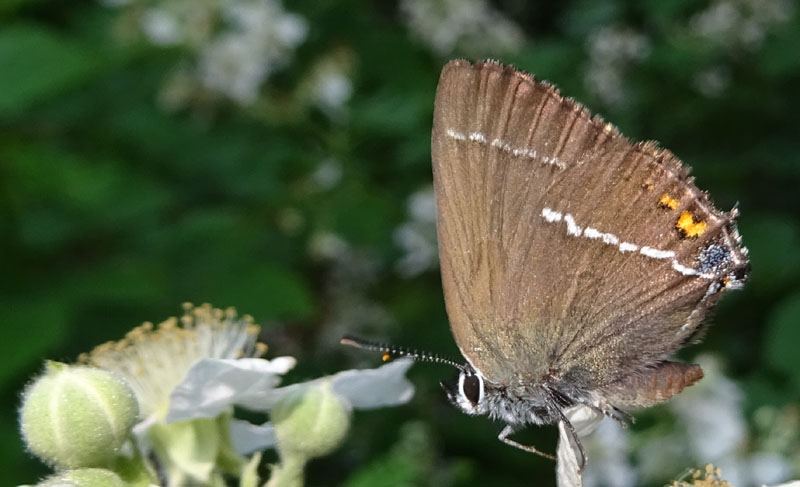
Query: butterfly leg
(615, 413)
(575, 438)
(509, 430)
(621, 416)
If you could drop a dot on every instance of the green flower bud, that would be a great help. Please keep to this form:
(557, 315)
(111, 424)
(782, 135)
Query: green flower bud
(310, 421)
(84, 477)
(75, 417)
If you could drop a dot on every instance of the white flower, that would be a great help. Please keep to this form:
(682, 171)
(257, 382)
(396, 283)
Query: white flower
(422, 205)
(328, 84)
(327, 174)
(235, 65)
(717, 21)
(234, 46)
(366, 388)
(161, 28)
(259, 40)
(740, 23)
(608, 450)
(713, 81)
(712, 413)
(155, 360)
(613, 44)
(328, 246)
(211, 386)
(473, 27)
(417, 236)
(361, 389)
(711, 427)
(768, 468)
(611, 50)
(331, 90)
(584, 420)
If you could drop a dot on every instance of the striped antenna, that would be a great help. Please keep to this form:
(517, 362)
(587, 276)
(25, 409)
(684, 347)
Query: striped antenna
(390, 351)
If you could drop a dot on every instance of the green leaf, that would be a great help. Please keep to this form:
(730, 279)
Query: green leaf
(783, 336)
(778, 57)
(61, 196)
(266, 291)
(587, 15)
(8, 6)
(133, 279)
(553, 62)
(773, 244)
(37, 65)
(408, 463)
(28, 330)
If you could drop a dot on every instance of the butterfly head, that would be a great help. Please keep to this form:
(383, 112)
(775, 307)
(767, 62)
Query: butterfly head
(469, 393)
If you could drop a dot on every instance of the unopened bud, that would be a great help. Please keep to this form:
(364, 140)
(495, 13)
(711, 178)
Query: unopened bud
(311, 421)
(84, 477)
(75, 417)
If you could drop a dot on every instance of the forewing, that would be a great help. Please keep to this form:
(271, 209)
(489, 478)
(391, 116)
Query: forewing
(566, 250)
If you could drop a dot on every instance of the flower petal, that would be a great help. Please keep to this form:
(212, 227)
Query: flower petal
(363, 388)
(374, 388)
(212, 385)
(248, 438)
(584, 420)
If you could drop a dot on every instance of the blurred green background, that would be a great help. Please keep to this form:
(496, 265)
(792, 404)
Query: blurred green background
(276, 158)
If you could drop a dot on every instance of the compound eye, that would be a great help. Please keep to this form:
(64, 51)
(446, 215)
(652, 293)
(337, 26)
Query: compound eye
(471, 388)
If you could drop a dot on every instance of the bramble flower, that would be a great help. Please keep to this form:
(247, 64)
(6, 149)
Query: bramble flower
(308, 419)
(350, 275)
(737, 24)
(155, 360)
(710, 476)
(712, 81)
(417, 235)
(327, 175)
(160, 362)
(185, 376)
(568, 457)
(733, 26)
(329, 85)
(232, 47)
(357, 389)
(609, 448)
(471, 27)
(611, 50)
(711, 427)
(189, 373)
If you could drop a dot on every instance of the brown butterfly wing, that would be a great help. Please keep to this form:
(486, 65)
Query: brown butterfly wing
(566, 250)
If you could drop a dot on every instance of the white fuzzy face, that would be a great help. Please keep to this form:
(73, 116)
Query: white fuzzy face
(470, 395)
(473, 395)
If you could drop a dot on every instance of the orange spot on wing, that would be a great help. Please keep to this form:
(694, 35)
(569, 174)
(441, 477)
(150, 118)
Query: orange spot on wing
(667, 201)
(385, 357)
(688, 226)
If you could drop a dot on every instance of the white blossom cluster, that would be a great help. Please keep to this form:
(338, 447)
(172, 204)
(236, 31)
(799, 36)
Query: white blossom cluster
(734, 25)
(188, 373)
(712, 429)
(469, 27)
(234, 45)
(351, 275)
(417, 236)
(611, 50)
(740, 23)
